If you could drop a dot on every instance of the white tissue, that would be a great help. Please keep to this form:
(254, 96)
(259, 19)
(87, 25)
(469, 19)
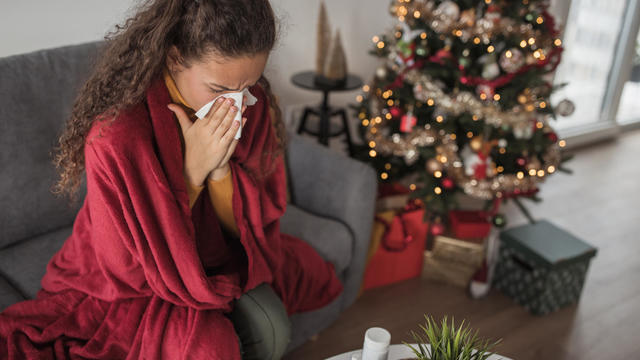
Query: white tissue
(237, 96)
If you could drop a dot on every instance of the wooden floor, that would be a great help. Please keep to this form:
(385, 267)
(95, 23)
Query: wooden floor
(599, 203)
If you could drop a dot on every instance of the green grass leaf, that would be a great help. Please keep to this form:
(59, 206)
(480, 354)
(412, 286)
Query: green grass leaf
(450, 342)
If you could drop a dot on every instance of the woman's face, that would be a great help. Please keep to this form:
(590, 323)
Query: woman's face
(213, 76)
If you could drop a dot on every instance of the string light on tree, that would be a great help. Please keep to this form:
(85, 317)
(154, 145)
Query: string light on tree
(459, 102)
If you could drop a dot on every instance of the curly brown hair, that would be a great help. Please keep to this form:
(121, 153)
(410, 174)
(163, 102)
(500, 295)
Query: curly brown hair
(135, 53)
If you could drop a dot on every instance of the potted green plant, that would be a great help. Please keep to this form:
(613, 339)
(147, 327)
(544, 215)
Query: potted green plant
(449, 343)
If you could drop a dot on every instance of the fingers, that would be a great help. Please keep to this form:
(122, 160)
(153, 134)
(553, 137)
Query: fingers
(222, 118)
(232, 131)
(230, 151)
(214, 108)
(215, 116)
(229, 137)
(183, 119)
(227, 122)
(234, 142)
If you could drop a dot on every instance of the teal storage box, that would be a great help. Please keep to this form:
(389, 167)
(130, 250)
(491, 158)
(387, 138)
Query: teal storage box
(541, 266)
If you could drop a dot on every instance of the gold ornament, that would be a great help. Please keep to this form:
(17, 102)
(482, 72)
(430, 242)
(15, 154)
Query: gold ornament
(468, 17)
(476, 143)
(433, 165)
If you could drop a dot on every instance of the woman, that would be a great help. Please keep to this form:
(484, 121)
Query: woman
(154, 268)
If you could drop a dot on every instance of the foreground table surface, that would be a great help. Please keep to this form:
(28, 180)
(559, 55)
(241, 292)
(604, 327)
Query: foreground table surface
(397, 352)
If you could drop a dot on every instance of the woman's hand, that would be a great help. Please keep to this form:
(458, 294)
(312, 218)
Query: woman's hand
(209, 142)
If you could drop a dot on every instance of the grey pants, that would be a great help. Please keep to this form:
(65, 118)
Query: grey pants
(261, 323)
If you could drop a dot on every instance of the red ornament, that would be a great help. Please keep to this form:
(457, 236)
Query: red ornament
(521, 161)
(395, 112)
(442, 53)
(408, 122)
(437, 229)
(552, 137)
(493, 8)
(447, 183)
(480, 169)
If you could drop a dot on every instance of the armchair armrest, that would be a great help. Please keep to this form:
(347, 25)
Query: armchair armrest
(335, 186)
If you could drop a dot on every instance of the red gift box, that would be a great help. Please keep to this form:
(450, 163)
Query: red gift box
(468, 224)
(400, 252)
(472, 224)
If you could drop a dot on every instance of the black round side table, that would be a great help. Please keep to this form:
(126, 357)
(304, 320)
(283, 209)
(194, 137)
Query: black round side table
(306, 80)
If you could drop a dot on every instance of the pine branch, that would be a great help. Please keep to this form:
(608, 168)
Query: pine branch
(566, 157)
(565, 170)
(534, 198)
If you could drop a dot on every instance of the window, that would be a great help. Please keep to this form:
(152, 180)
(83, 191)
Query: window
(600, 40)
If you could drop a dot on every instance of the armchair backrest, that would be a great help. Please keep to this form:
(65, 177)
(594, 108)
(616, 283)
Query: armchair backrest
(37, 91)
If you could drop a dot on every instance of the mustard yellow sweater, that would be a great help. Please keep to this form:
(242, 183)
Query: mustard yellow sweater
(221, 191)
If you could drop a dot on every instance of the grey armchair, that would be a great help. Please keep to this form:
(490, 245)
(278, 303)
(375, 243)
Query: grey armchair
(332, 195)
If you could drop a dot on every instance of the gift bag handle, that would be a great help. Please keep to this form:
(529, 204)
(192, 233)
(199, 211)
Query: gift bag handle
(406, 238)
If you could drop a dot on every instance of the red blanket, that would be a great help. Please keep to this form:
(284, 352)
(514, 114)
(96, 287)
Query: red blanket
(145, 276)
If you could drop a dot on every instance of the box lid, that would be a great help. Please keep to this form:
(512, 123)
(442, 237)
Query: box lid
(547, 244)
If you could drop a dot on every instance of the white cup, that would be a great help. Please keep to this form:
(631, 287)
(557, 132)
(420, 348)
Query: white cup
(376, 344)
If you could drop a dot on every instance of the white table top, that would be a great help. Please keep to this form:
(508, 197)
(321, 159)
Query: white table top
(396, 352)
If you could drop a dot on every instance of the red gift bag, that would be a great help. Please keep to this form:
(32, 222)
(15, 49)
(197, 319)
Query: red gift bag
(398, 244)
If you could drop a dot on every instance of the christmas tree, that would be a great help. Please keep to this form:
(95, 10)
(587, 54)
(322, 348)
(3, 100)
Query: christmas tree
(461, 104)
